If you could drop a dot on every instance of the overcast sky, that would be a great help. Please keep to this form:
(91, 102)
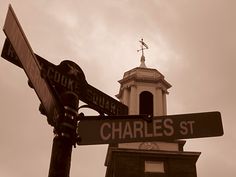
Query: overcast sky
(192, 43)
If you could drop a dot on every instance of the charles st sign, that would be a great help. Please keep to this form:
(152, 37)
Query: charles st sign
(130, 129)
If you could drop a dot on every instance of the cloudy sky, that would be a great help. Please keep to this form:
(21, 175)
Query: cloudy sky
(192, 42)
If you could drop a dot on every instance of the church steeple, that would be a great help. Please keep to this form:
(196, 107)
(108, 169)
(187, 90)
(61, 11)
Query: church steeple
(144, 91)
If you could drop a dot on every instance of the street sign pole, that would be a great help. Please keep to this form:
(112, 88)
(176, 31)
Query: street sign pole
(65, 137)
(60, 157)
(65, 128)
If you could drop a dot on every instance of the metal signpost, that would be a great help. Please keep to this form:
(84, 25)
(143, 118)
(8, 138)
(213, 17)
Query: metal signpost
(60, 87)
(126, 129)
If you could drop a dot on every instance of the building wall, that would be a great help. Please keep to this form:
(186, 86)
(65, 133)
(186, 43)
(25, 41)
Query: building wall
(131, 163)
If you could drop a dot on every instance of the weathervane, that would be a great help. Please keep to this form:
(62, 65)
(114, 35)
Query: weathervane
(143, 47)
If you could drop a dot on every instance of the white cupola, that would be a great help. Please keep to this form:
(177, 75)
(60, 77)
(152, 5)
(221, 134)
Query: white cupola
(144, 89)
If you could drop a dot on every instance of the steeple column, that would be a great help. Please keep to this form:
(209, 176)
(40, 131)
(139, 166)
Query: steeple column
(164, 103)
(126, 96)
(133, 104)
(159, 110)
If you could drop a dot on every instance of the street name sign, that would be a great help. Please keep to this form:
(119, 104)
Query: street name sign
(31, 66)
(100, 101)
(171, 127)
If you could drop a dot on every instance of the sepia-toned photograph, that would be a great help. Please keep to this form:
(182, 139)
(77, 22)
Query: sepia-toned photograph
(117, 88)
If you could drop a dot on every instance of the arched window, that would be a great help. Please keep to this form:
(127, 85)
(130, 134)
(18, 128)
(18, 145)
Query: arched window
(146, 103)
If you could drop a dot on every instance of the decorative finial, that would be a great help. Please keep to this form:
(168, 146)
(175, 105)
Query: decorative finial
(143, 47)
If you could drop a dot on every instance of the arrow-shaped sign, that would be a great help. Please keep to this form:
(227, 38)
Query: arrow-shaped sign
(31, 66)
(100, 101)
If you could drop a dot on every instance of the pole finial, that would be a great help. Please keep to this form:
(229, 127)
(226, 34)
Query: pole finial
(143, 47)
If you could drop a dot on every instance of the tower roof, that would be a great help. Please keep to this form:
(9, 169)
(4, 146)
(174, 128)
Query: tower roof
(143, 75)
(146, 75)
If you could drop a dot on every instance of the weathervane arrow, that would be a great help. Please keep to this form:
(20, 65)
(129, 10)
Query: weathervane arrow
(143, 46)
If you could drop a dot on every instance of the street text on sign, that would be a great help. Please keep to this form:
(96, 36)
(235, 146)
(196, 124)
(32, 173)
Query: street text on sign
(160, 128)
(30, 64)
(98, 100)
